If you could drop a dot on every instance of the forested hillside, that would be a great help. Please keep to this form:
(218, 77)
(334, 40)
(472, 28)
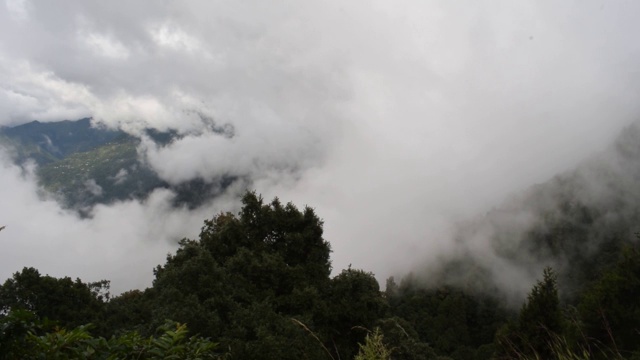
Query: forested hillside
(83, 164)
(578, 223)
(553, 272)
(258, 283)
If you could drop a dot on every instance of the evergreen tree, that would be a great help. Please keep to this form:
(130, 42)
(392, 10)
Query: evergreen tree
(540, 322)
(610, 308)
(247, 277)
(355, 304)
(67, 302)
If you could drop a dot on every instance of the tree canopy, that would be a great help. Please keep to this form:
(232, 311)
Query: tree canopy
(258, 285)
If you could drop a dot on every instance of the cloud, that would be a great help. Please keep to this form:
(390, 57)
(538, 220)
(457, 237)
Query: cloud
(30, 93)
(122, 242)
(105, 46)
(93, 187)
(392, 120)
(120, 177)
(174, 38)
(18, 9)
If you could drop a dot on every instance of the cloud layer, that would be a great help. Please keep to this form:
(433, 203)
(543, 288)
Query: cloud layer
(390, 119)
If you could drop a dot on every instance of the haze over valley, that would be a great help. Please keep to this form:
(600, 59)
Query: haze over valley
(393, 122)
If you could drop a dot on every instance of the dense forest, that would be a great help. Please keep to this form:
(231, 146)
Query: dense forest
(258, 285)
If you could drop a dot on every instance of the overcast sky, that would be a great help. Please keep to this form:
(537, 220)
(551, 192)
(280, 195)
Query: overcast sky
(392, 119)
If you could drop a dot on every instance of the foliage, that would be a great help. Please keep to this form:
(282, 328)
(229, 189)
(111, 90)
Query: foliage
(14, 328)
(539, 323)
(355, 304)
(246, 276)
(259, 282)
(610, 310)
(70, 303)
(373, 347)
(23, 338)
(403, 340)
(450, 320)
(130, 311)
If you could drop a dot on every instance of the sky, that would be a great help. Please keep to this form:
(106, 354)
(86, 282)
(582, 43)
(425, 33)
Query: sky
(393, 120)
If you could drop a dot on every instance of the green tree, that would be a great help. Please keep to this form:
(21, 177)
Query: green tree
(609, 309)
(69, 303)
(404, 342)
(246, 276)
(355, 304)
(32, 339)
(539, 325)
(456, 323)
(129, 311)
(15, 326)
(374, 347)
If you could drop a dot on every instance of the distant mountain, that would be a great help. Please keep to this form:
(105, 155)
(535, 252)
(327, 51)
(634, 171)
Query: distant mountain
(577, 222)
(85, 165)
(49, 142)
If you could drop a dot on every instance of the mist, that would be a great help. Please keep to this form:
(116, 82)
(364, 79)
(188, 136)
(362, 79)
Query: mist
(394, 121)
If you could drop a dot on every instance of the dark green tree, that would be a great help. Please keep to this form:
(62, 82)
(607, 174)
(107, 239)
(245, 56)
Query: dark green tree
(540, 323)
(355, 305)
(610, 307)
(15, 328)
(129, 311)
(403, 341)
(67, 302)
(456, 323)
(247, 277)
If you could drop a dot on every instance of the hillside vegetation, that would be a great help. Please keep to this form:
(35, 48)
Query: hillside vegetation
(258, 283)
(553, 273)
(84, 165)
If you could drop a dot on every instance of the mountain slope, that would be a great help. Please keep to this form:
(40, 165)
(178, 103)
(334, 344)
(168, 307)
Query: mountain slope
(85, 165)
(578, 222)
(48, 142)
(484, 302)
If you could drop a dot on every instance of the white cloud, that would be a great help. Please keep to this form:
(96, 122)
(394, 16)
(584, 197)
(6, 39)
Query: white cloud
(27, 93)
(122, 242)
(173, 37)
(92, 186)
(120, 177)
(105, 46)
(18, 9)
(390, 119)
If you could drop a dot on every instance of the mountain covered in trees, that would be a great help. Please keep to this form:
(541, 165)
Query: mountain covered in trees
(84, 164)
(552, 273)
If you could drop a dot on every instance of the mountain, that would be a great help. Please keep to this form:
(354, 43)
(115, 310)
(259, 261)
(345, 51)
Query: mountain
(85, 165)
(578, 222)
(49, 142)
(578, 232)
